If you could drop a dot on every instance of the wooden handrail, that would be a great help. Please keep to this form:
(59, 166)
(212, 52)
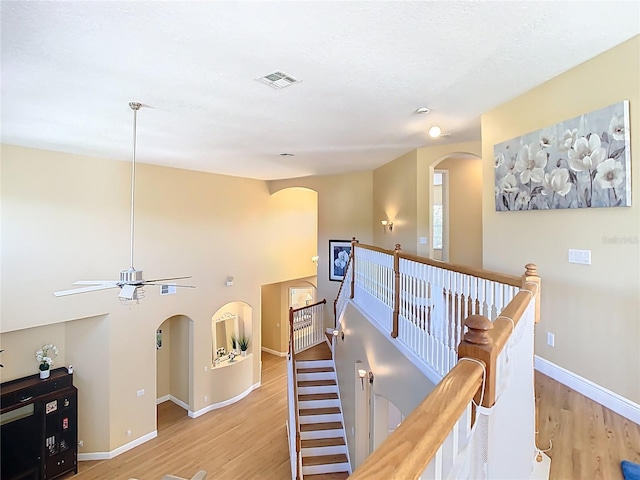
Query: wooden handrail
(408, 450)
(294, 310)
(504, 278)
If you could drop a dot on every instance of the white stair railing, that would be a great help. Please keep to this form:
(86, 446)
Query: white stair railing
(424, 302)
(438, 439)
(307, 324)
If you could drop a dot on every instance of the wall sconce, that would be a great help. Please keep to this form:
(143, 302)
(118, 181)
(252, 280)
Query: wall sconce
(386, 224)
(335, 333)
(363, 374)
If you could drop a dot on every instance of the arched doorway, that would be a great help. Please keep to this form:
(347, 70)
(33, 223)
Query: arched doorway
(174, 346)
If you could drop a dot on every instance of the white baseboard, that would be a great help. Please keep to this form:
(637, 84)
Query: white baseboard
(595, 392)
(215, 406)
(160, 400)
(114, 453)
(273, 352)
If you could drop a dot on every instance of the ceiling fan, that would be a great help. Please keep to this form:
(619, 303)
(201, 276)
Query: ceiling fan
(131, 282)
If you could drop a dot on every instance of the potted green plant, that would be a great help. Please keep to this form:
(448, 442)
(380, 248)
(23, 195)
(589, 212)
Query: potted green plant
(243, 342)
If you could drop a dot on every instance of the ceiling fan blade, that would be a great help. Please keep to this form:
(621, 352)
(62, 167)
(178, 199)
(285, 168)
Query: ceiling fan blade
(165, 279)
(95, 282)
(127, 292)
(170, 284)
(94, 288)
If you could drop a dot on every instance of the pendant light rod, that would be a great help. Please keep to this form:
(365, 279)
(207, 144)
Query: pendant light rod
(135, 106)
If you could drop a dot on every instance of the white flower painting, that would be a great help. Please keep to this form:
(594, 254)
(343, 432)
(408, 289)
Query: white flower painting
(584, 162)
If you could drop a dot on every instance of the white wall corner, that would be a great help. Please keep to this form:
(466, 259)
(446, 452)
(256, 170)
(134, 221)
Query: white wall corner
(589, 389)
(114, 453)
(273, 352)
(215, 406)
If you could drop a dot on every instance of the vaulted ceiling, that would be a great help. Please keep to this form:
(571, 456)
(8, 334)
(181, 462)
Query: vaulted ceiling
(69, 70)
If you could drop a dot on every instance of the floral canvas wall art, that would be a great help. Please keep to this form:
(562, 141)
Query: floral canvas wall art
(584, 162)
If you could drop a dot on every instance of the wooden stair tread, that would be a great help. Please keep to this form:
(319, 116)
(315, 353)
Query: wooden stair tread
(316, 383)
(319, 411)
(310, 427)
(327, 476)
(324, 459)
(309, 397)
(322, 442)
(315, 370)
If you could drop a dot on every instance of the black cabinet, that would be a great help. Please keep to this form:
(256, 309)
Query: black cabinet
(39, 427)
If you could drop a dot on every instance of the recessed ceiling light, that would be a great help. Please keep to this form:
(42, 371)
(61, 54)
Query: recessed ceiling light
(435, 131)
(422, 110)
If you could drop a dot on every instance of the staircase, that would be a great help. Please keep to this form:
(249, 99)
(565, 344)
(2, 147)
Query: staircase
(323, 447)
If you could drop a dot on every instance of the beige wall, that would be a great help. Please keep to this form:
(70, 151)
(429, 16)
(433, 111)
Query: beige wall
(163, 361)
(70, 221)
(395, 377)
(88, 352)
(394, 199)
(592, 310)
(402, 194)
(271, 317)
(464, 197)
(180, 358)
(344, 211)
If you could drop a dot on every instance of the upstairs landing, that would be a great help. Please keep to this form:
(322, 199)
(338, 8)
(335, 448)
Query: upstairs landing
(319, 352)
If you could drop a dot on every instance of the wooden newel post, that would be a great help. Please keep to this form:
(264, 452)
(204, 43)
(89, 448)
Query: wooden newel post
(396, 290)
(354, 242)
(531, 281)
(478, 343)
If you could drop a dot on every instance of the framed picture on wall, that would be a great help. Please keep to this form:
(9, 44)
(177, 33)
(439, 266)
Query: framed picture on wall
(339, 252)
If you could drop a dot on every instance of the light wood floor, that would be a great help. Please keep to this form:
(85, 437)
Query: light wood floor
(588, 440)
(248, 440)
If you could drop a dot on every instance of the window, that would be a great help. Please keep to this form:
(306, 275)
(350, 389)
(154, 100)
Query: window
(437, 226)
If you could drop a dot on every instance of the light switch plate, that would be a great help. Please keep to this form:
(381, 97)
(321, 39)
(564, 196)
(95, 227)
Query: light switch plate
(582, 257)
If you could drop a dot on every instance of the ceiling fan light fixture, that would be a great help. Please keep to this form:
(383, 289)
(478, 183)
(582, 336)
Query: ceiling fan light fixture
(131, 282)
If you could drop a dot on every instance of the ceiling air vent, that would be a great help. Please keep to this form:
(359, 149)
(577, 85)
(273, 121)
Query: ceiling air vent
(278, 80)
(168, 289)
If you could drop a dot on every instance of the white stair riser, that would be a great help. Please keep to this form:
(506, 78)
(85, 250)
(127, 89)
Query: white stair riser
(319, 389)
(316, 376)
(314, 364)
(326, 418)
(327, 468)
(317, 451)
(319, 403)
(322, 434)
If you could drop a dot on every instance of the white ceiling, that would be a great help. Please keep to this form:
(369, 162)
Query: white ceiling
(69, 70)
